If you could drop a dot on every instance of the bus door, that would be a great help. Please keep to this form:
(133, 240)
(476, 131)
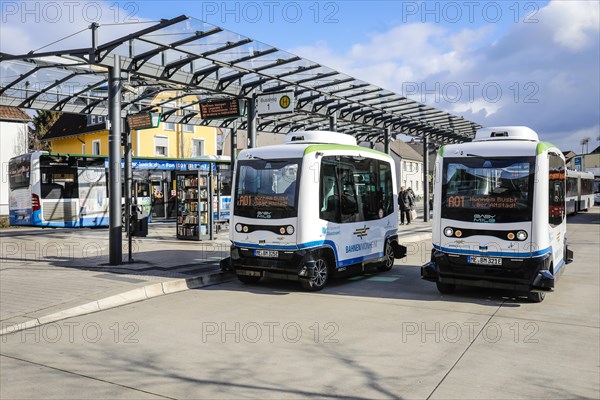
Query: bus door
(557, 208)
(158, 189)
(93, 198)
(59, 191)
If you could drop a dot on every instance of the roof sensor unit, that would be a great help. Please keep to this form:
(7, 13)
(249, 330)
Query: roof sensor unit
(506, 133)
(320, 137)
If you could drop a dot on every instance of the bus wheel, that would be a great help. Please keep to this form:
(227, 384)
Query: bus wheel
(388, 263)
(321, 275)
(536, 297)
(445, 288)
(248, 279)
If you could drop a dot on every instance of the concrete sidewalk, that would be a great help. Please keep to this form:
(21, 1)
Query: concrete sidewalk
(48, 275)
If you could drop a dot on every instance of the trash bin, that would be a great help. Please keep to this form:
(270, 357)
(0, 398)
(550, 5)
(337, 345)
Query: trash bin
(139, 222)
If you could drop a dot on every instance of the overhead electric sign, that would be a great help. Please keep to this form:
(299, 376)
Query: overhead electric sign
(275, 103)
(143, 121)
(221, 109)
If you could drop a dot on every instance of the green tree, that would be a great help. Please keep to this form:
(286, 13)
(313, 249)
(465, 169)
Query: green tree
(42, 123)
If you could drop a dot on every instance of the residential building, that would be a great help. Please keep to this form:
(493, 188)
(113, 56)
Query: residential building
(409, 166)
(88, 134)
(587, 162)
(14, 136)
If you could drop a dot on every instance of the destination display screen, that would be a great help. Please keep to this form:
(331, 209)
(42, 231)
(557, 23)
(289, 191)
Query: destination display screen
(480, 189)
(267, 189)
(220, 109)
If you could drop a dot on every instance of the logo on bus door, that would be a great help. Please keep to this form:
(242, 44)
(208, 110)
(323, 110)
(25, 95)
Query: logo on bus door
(361, 232)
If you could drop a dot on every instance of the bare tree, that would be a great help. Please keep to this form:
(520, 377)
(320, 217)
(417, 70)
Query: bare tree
(42, 123)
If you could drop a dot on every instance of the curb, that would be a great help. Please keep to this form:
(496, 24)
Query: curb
(125, 298)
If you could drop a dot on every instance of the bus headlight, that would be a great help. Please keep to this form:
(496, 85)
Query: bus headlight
(238, 227)
(282, 230)
(245, 229)
(448, 231)
(521, 235)
(458, 233)
(510, 236)
(290, 230)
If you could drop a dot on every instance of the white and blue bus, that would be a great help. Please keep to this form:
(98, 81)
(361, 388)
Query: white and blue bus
(315, 207)
(57, 191)
(499, 214)
(70, 190)
(580, 191)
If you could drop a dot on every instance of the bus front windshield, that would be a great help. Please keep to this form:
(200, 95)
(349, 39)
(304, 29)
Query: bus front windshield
(267, 188)
(488, 190)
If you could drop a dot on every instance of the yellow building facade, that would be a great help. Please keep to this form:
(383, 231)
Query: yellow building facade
(168, 140)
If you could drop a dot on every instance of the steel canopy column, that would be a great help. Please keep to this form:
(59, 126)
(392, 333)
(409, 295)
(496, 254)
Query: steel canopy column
(233, 147)
(252, 122)
(128, 183)
(333, 123)
(115, 250)
(425, 178)
(386, 140)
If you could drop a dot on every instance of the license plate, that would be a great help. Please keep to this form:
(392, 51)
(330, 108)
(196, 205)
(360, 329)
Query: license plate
(266, 253)
(249, 273)
(484, 260)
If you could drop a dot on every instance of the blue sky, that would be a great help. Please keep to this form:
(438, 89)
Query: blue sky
(496, 63)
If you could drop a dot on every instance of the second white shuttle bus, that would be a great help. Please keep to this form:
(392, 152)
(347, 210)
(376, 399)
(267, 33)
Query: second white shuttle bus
(499, 213)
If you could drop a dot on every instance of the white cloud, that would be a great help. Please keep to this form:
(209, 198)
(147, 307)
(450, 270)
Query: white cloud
(575, 24)
(543, 75)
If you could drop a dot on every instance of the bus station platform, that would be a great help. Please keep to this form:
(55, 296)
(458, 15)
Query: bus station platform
(47, 275)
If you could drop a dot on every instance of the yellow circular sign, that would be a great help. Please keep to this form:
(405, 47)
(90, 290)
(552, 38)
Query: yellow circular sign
(285, 101)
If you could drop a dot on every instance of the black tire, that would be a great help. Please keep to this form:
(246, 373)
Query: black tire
(445, 288)
(321, 277)
(388, 263)
(248, 279)
(536, 297)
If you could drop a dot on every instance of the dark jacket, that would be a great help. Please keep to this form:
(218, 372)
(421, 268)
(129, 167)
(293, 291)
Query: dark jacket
(405, 201)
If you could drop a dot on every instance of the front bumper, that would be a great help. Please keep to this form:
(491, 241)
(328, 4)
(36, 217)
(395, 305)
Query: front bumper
(289, 265)
(525, 275)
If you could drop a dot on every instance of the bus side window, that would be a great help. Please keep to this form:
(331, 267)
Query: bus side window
(386, 188)
(329, 198)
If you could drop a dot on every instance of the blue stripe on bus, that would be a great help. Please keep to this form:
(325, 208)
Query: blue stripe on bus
(493, 253)
(318, 243)
(35, 219)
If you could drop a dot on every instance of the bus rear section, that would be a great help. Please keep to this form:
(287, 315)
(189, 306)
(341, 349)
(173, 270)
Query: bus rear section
(307, 211)
(22, 203)
(59, 191)
(499, 214)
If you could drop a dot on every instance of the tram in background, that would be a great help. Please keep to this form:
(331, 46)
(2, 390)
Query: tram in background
(499, 214)
(71, 190)
(580, 191)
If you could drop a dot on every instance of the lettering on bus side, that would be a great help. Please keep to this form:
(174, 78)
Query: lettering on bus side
(360, 247)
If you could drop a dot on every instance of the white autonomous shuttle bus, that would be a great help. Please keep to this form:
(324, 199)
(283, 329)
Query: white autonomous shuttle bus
(499, 213)
(316, 206)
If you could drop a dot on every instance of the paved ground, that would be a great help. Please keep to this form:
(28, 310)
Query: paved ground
(46, 271)
(388, 335)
